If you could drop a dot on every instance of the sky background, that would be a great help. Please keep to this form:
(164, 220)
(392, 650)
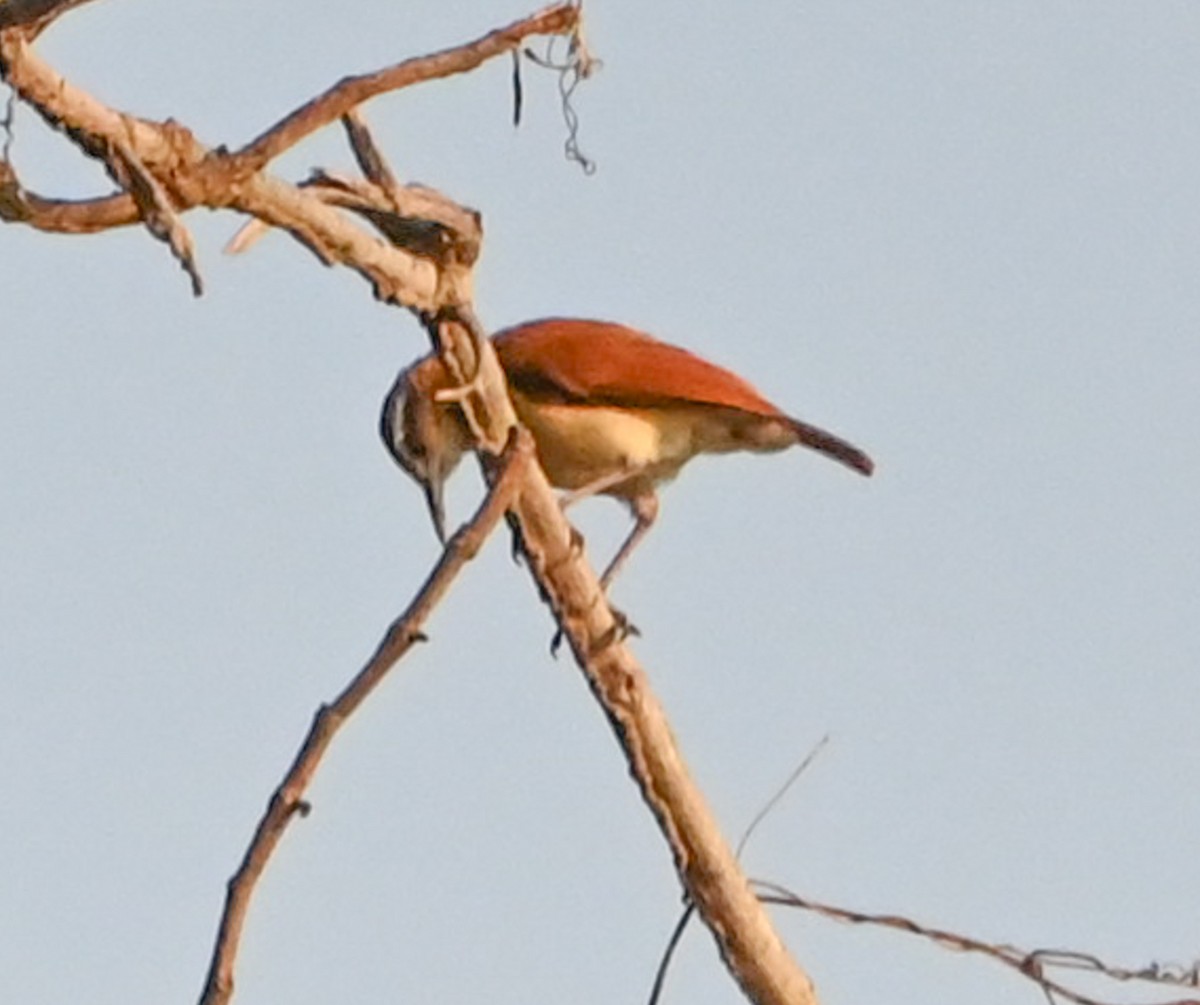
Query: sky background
(963, 235)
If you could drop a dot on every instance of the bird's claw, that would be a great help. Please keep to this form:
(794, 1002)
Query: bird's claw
(620, 630)
(517, 545)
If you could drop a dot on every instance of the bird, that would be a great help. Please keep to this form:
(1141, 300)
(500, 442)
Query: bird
(612, 411)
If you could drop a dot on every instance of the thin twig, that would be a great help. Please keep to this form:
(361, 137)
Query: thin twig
(352, 91)
(155, 206)
(414, 216)
(287, 800)
(1030, 964)
(371, 160)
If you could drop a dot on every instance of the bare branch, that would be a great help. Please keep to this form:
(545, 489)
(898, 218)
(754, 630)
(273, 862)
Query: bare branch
(88, 122)
(409, 269)
(1033, 965)
(689, 909)
(62, 216)
(411, 216)
(189, 174)
(746, 940)
(351, 91)
(414, 217)
(161, 220)
(287, 799)
(371, 160)
(396, 276)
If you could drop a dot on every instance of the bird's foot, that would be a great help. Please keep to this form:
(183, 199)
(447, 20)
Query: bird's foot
(620, 630)
(574, 549)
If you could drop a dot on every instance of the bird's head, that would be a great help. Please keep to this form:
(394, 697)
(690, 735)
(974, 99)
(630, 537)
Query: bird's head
(426, 437)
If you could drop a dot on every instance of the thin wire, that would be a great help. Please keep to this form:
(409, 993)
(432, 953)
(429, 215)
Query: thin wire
(771, 803)
(661, 976)
(518, 91)
(568, 80)
(577, 66)
(690, 908)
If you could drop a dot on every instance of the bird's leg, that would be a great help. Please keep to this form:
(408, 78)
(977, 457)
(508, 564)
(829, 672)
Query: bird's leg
(596, 486)
(645, 511)
(643, 505)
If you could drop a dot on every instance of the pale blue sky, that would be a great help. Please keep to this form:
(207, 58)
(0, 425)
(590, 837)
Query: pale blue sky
(963, 235)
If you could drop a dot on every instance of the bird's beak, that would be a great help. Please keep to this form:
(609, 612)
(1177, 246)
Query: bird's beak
(437, 510)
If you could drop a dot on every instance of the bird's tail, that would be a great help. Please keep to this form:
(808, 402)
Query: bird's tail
(832, 446)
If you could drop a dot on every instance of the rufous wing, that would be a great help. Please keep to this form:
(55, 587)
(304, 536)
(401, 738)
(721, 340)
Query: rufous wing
(602, 363)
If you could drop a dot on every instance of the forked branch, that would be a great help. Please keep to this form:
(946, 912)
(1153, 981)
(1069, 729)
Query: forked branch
(351, 92)
(435, 282)
(191, 174)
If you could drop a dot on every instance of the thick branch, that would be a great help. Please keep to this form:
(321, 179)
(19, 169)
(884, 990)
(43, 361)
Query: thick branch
(88, 121)
(706, 864)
